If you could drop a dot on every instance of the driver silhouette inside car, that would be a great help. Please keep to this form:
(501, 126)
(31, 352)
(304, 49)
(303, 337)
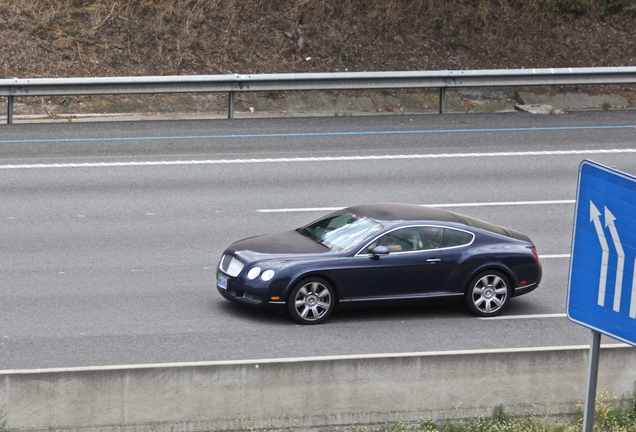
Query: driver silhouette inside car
(409, 239)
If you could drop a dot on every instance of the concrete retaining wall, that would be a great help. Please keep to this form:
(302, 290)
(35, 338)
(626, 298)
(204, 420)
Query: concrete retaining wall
(310, 393)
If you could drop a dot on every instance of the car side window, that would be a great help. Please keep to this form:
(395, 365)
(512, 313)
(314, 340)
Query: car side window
(410, 239)
(454, 237)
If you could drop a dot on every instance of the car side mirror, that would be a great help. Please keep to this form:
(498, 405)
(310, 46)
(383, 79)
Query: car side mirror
(379, 251)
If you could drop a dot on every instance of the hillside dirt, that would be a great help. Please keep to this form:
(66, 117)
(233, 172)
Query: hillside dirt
(78, 38)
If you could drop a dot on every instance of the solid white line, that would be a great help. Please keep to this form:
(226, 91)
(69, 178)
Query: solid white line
(515, 317)
(294, 210)
(554, 256)
(322, 159)
(505, 203)
(482, 204)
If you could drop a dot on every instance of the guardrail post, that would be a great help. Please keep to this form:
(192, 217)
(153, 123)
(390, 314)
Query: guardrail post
(230, 106)
(10, 111)
(442, 99)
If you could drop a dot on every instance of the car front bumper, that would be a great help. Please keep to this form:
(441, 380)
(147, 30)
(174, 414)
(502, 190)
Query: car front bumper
(257, 296)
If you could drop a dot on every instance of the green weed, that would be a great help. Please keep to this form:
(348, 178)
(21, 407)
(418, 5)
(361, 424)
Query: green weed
(4, 426)
(64, 100)
(610, 416)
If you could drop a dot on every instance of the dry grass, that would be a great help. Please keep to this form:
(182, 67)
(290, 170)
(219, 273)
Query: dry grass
(42, 38)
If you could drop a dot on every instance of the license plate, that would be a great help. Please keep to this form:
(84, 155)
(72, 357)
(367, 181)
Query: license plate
(221, 282)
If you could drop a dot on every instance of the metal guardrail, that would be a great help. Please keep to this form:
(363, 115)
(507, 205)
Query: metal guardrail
(233, 83)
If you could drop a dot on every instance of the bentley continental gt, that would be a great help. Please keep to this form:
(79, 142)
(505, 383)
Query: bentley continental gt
(380, 255)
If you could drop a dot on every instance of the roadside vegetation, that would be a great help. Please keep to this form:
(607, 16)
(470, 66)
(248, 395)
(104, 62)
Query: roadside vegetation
(60, 38)
(4, 427)
(110, 38)
(608, 418)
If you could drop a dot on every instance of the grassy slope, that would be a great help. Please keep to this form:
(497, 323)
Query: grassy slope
(75, 38)
(53, 38)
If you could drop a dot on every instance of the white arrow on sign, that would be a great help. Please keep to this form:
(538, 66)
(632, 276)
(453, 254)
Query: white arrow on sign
(595, 217)
(632, 306)
(618, 289)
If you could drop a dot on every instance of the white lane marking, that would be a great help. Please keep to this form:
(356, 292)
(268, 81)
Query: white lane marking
(482, 204)
(554, 256)
(294, 210)
(321, 159)
(505, 203)
(516, 317)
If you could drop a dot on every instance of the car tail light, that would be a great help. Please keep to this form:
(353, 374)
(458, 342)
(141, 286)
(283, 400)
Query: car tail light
(534, 252)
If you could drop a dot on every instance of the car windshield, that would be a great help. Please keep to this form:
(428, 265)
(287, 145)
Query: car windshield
(341, 230)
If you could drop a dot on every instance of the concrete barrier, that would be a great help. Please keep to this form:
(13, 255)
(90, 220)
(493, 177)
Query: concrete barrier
(310, 393)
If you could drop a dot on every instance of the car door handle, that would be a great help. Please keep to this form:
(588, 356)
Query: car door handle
(433, 260)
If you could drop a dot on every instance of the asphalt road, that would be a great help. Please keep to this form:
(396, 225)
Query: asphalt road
(111, 232)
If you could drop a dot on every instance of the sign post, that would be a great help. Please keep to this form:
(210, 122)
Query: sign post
(592, 379)
(602, 282)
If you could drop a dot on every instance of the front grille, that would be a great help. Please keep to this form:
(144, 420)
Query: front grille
(231, 265)
(225, 262)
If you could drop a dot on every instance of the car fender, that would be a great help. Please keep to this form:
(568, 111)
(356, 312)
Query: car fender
(299, 276)
(498, 266)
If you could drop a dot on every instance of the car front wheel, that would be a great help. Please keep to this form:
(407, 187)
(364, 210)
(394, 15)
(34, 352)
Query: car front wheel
(311, 301)
(488, 294)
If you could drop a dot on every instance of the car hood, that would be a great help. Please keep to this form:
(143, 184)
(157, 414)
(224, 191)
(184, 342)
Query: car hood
(283, 243)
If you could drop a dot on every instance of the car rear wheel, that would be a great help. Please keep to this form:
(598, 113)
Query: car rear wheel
(311, 301)
(488, 294)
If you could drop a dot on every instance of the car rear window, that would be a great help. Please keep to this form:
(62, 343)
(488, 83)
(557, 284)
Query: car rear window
(454, 237)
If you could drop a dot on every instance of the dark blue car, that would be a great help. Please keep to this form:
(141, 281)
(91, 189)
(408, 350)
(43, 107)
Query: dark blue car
(380, 254)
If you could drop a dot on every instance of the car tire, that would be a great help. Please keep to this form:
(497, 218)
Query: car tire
(488, 294)
(311, 301)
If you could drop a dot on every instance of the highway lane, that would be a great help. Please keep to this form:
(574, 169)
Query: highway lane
(299, 137)
(115, 264)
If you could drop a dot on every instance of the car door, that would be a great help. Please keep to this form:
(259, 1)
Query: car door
(455, 267)
(410, 269)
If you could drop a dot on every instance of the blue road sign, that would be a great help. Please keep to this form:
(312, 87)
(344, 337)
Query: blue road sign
(602, 283)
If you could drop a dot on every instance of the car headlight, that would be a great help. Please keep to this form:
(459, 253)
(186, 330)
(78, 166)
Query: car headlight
(253, 273)
(267, 275)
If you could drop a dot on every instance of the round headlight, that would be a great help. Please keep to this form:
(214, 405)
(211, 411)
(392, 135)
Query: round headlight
(253, 273)
(267, 275)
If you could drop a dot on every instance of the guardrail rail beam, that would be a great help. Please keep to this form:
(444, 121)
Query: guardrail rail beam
(232, 83)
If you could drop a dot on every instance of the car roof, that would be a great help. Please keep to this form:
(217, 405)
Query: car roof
(411, 212)
(404, 212)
